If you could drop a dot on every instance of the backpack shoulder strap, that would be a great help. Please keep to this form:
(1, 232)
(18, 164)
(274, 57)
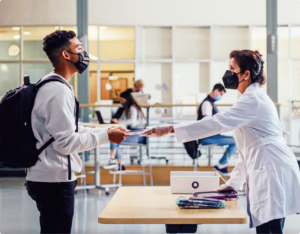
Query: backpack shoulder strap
(41, 82)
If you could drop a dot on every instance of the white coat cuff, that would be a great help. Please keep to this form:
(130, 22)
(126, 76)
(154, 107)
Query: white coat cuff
(102, 137)
(181, 133)
(233, 185)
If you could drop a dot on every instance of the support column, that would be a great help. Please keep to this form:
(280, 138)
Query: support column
(83, 79)
(272, 48)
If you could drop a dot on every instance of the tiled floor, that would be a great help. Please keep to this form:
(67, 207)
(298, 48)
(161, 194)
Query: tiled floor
(18, 214)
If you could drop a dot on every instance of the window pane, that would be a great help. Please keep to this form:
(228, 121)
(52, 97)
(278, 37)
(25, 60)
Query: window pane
(158, 83)
(227, 39)
(9, 43)
(283, 87)
(9, 77)
(37, 71)
(192, 42)
(33, 41)
(158, 43)
(296, 80)
(283, 42)
(259, 40)
(115, 78)
(295, 42)
(93, 37)
(116, 42)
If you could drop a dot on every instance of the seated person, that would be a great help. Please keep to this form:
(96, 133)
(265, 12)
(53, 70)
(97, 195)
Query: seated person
(138, 87)
(208, 108)
(133, 118)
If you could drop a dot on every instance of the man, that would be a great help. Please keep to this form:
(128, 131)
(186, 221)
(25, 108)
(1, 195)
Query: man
(52, 181)
(138, 87)
(208, 108)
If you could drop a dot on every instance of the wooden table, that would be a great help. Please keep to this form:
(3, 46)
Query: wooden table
(156, 205)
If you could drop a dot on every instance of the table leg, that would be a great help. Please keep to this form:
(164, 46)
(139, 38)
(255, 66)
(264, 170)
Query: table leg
(97, 168)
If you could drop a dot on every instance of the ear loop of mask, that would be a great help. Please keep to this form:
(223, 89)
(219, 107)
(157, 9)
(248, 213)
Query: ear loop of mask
(241, 73)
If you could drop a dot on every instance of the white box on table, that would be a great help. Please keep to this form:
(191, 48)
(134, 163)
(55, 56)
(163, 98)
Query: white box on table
(194, 181)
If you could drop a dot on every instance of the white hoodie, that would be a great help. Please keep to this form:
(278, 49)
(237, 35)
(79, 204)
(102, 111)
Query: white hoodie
(53, 115)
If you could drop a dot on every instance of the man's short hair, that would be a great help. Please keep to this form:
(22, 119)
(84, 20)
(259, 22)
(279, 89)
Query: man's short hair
(56, 42)
(219, 87)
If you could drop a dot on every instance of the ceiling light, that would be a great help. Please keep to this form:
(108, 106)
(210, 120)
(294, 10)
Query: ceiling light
(16, 28)
(93, 57)
(103, 27)
(26, 33)
(17, 36)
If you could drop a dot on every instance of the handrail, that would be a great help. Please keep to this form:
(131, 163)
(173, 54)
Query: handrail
(156, 105)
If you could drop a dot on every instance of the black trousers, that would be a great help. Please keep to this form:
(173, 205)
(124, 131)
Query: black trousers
(55, 202)
(271, 227)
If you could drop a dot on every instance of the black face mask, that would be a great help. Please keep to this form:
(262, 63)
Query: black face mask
(231, 80)
(83, 61)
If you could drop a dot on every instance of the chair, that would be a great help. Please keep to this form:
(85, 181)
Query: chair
(135, 172)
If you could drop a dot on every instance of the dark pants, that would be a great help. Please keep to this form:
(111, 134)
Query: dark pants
(271, 227)
(55, 202)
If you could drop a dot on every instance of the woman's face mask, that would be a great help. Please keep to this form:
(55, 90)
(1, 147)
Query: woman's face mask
(231, 80)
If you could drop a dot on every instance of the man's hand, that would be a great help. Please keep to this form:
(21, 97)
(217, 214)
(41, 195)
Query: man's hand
(159, 131)
(117, 135)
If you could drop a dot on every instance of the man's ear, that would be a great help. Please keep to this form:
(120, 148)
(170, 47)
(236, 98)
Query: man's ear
(65, 55)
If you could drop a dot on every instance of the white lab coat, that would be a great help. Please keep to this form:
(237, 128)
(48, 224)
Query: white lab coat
(265, 162)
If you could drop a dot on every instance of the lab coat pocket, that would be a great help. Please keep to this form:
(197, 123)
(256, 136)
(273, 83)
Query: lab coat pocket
(259, 185)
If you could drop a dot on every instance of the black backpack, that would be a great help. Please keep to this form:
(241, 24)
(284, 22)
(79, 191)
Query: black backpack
(192, 150)
(17, 141)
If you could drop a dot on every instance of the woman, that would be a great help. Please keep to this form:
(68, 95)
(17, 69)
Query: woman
(133, 118)
(265, 162)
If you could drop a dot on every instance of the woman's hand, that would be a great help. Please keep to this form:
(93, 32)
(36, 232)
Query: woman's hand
(115, 121)
(224, 187)
(159, 131)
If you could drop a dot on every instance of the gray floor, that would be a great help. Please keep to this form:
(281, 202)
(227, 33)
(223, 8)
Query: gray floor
(18, 214)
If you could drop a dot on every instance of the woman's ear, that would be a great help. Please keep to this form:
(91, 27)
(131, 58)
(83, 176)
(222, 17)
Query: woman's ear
(248, 75)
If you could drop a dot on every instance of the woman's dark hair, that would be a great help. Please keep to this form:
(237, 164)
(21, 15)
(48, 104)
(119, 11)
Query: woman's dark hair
(131, 102)
(251, 61)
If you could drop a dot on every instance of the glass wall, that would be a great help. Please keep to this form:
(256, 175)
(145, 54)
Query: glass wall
(10, 53)
(179, 64)
(10, 43)
(9, 77)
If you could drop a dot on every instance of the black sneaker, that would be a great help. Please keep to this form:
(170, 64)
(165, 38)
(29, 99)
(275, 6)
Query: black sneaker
(111, 165)
(223, 172)
(120, 168)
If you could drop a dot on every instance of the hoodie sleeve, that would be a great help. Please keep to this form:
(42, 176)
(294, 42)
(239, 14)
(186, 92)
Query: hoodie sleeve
(60, 123)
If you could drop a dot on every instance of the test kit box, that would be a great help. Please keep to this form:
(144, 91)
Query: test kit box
(194, 181)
